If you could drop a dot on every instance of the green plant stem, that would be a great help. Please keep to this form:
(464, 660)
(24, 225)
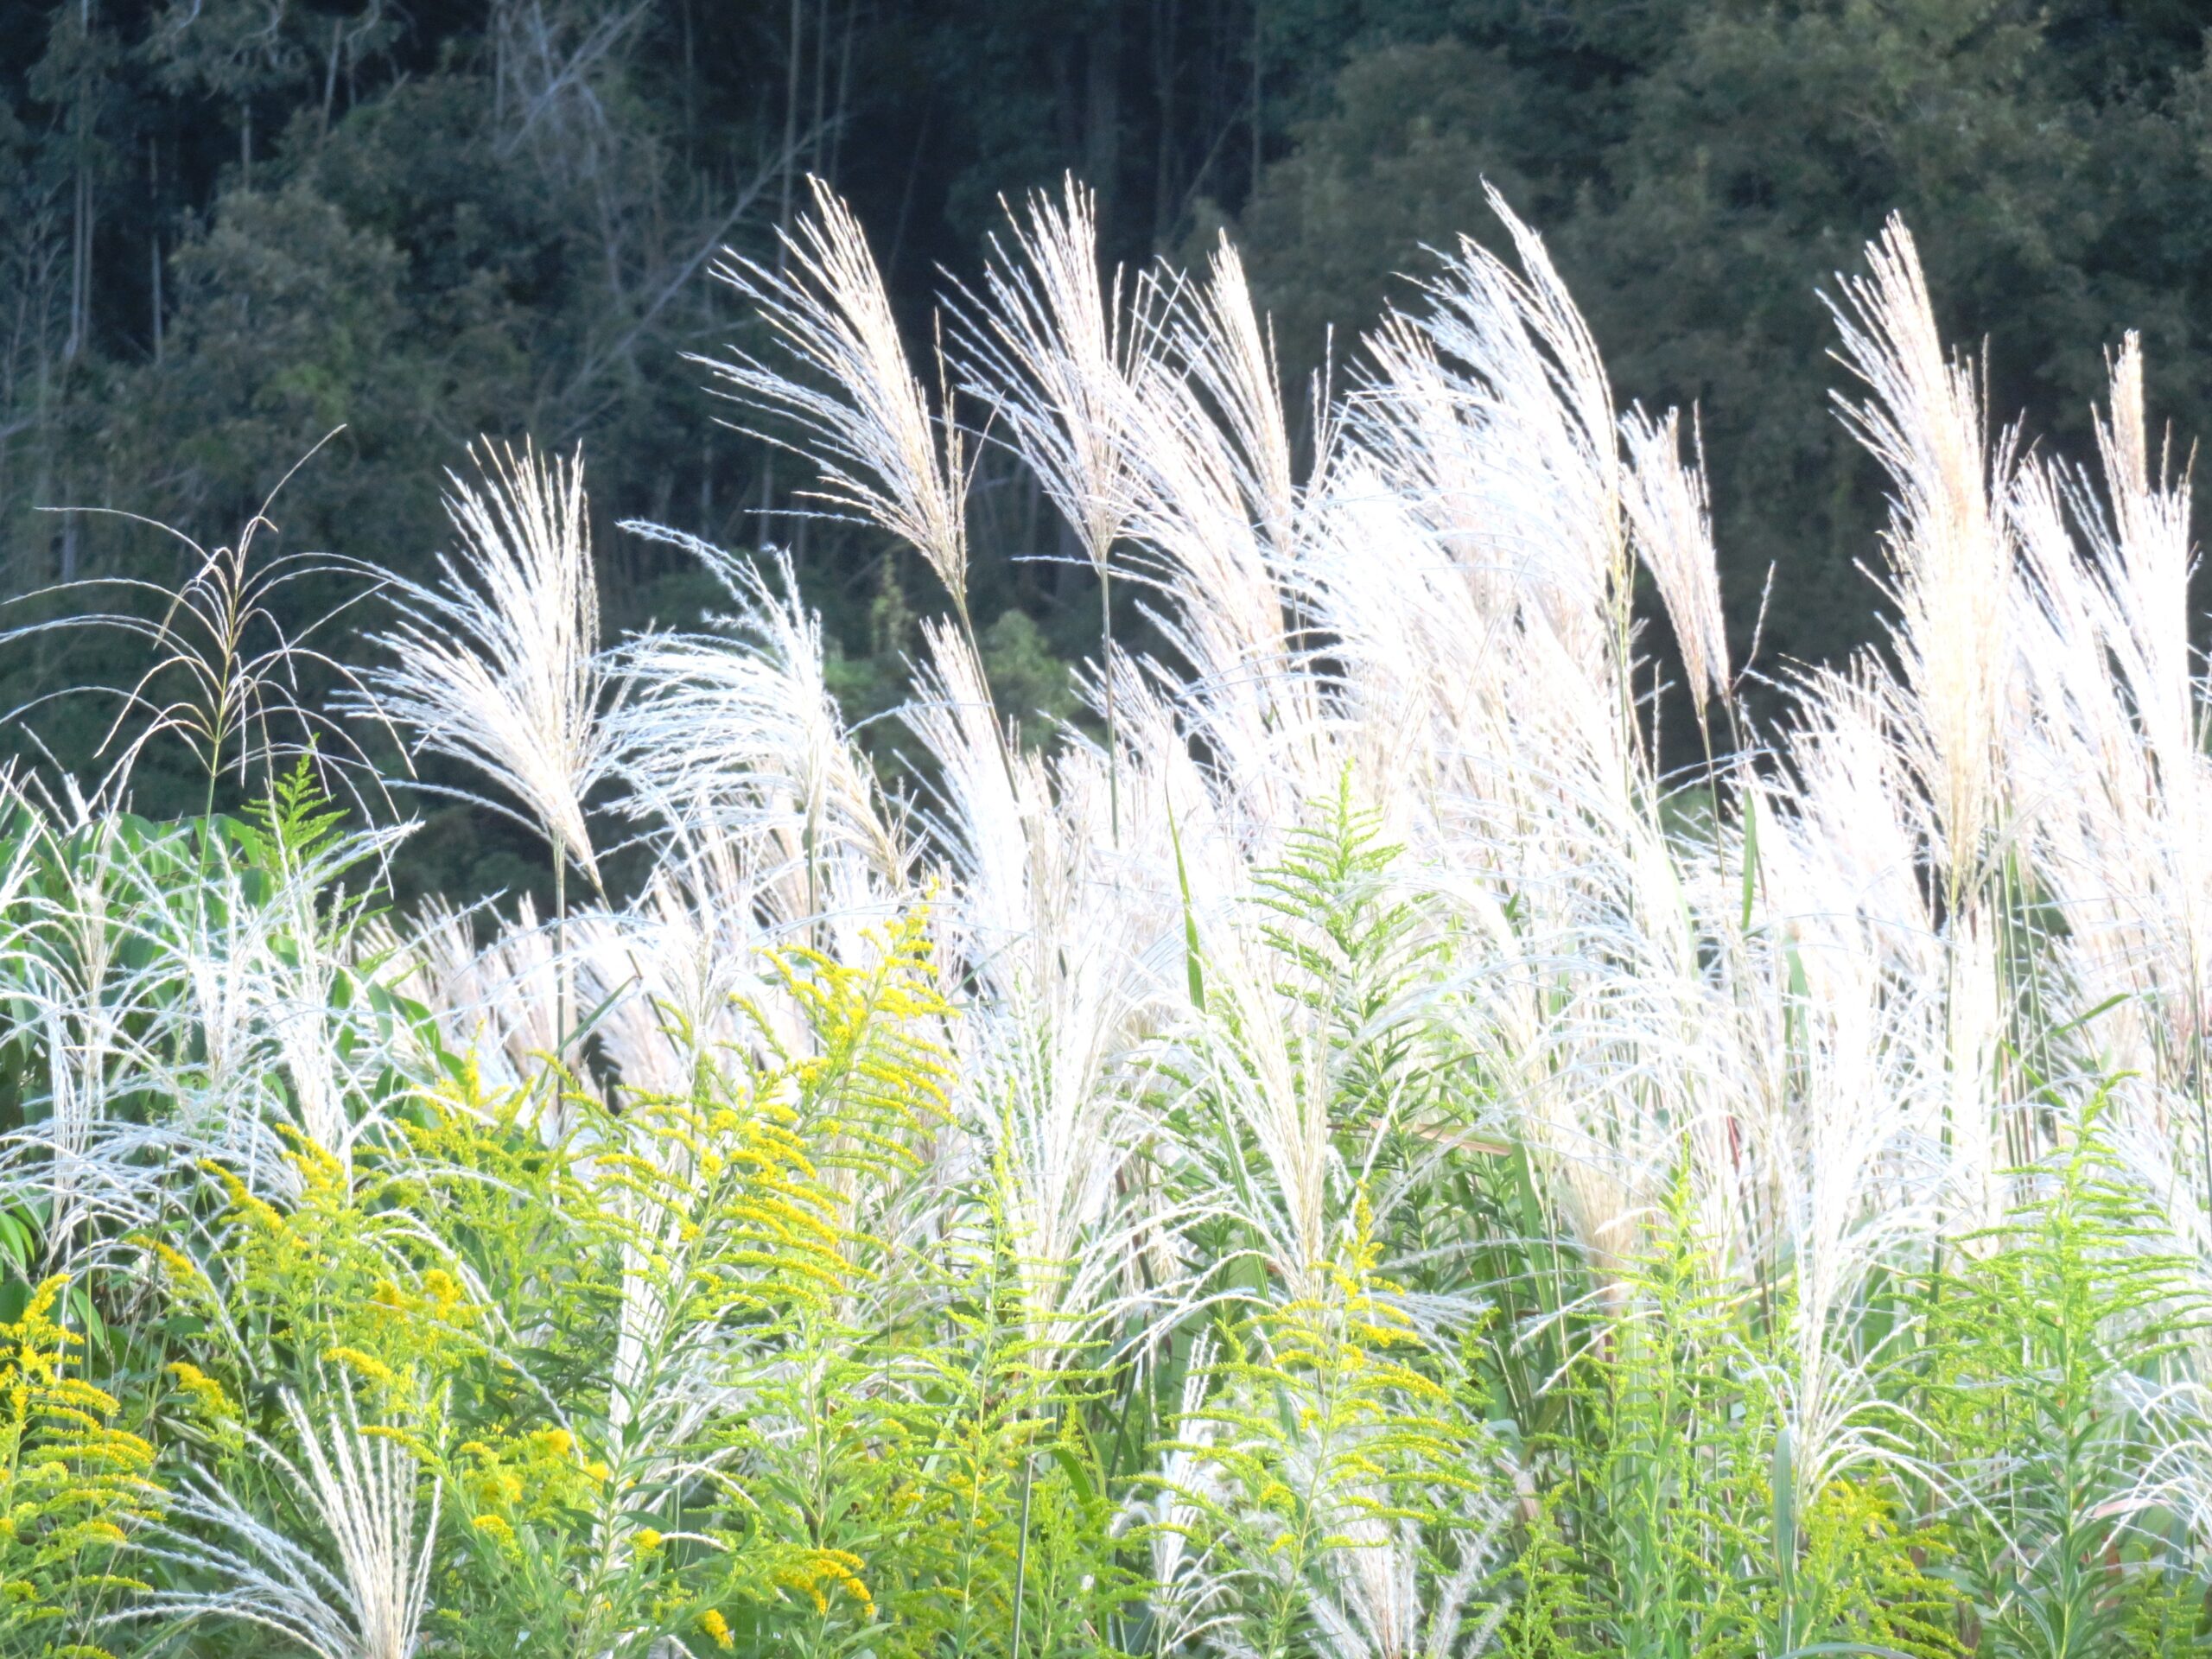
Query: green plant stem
(1021, 1551)
(560, 947)
(1113, 722)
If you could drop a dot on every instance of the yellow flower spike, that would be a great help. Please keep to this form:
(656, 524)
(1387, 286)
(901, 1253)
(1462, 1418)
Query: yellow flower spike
(206, 1394)
(842, 1569)
(179, 1264)
(715, 1627)
(367, 1365)
(76, 1479)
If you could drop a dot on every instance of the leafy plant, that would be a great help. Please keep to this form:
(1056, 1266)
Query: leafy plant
(74, 1486)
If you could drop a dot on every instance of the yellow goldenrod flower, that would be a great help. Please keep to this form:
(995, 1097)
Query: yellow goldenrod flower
(366, 1365)
(204, 1391)
(447, 1298)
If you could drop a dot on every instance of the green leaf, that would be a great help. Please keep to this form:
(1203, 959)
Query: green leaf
(1193, 969)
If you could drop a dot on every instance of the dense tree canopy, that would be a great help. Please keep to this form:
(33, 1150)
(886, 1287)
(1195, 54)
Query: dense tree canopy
(233, 231)
(1702, 168)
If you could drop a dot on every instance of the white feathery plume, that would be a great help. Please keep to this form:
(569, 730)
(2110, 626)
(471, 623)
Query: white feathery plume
(1214, 531)
(1186, 1594)
(680, 971)
(307, 1023)
(1671, 525)
(1858, 1182)
(224, 665)
(1385, 1601)
(2143, 560)
(496, 663)
(1059, 357)
(362, 1593)
(1420, 432)
(1973, 1038)
(1228, 350)
(1416, 647)
(885, 455)
(495, 1003)
(1225, 615)
(1949, 551)
(2112, 780)
(1263, 1056)
(1051, 938)
(732, 731)
(99, 960)
(1530, 386)
(177, 1020)
(1057, 351)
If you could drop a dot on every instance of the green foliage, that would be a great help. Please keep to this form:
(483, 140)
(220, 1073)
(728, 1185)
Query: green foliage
(682, 1368)
(297, 815)
(2052, 1334)
(1325, 1439)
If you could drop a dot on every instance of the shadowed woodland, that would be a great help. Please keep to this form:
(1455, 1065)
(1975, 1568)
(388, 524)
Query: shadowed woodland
(236, 227)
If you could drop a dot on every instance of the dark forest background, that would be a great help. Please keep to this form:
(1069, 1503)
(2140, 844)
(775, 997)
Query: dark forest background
(228, 227)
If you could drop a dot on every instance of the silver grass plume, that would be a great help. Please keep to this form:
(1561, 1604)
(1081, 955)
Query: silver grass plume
(1670, 522)
(732, 733)
(1056, 349)
(362, 1593)
(1059, 356)
(223, 660)
(862, 416)
(495, 665)
(1949, 552)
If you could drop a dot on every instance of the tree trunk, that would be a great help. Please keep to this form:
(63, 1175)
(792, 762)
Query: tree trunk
(80, 256)
(790, 122)
(1102, 110)
(1259, 55)
(1165, 26)
(154, 240)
